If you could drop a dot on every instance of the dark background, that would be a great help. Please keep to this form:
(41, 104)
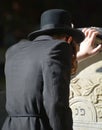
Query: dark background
(20, 17)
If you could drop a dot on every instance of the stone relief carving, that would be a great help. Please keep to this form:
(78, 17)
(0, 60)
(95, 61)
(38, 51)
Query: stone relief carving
(86, 93)
(90, 90)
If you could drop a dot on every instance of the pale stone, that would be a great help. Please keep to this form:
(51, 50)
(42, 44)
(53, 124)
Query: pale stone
(86, 95)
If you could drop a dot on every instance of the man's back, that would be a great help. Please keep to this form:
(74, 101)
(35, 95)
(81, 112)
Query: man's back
(29, 76)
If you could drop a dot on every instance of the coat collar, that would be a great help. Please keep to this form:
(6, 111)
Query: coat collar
(43, 37)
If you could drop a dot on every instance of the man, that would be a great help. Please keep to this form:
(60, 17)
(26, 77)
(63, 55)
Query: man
(38, 75)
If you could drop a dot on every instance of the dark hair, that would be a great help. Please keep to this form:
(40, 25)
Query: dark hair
(59, 34)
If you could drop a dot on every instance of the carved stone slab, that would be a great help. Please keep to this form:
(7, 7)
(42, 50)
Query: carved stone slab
(86, 95)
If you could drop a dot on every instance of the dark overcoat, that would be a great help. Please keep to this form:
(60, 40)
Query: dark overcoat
(37, 85)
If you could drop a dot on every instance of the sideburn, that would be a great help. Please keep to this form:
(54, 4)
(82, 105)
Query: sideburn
(74, 58)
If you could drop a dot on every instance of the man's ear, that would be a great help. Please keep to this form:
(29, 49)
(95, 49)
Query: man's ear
(69, 39)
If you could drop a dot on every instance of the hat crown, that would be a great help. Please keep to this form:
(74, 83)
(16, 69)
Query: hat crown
(55, 18)
(55, 21)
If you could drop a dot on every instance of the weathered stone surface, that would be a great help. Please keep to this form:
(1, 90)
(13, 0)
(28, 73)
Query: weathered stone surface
(86, 95)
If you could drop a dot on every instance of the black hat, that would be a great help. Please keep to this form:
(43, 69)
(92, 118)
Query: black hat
(54, 21)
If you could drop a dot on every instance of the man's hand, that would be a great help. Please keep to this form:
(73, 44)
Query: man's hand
(87, 47)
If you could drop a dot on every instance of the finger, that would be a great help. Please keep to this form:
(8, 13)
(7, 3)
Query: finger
(91, 33)
(92, 36)
(97, 49)
(88, 32)
(85, 31)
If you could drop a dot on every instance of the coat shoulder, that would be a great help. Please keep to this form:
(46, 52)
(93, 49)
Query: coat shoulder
(12, 49)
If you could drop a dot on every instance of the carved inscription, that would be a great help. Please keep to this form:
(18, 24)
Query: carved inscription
(82, 109)
(79, 111)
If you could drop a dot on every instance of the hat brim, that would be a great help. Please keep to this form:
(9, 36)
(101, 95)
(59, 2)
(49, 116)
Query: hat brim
(77, 35)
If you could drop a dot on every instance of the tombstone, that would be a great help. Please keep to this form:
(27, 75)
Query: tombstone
(86, 95)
